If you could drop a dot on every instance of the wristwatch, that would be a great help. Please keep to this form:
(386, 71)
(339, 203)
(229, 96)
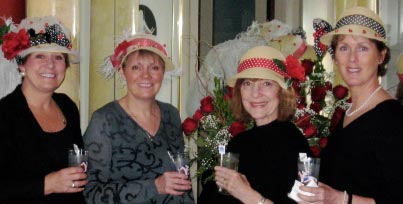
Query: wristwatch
(262, 200)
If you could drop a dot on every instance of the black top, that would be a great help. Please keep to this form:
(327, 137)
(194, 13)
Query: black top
(268, 158)
(366, 157)
(28, 154)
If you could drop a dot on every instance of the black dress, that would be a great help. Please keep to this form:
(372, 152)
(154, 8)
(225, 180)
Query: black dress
(268, 158)
(28, 154)
(366, 157)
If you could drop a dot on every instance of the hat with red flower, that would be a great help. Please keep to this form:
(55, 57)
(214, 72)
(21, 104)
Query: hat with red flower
(264, 62)
(38, 34)
(359, 21)
(130, 44)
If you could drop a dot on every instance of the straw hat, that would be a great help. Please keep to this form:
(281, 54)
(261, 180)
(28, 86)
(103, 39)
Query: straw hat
(289, 44)
(400, 67)
(264, 62)
(358, 21)
(38, 34)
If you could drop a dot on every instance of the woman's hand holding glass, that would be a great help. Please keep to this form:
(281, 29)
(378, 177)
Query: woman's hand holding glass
(173, 183)
(321, 194)
(67, 180)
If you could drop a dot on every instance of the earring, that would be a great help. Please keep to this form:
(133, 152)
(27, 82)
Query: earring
(22, 74)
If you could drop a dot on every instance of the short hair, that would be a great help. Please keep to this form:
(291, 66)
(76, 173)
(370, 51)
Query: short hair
(144, 53)
(23, 60)
(286, 109)
(382, 68)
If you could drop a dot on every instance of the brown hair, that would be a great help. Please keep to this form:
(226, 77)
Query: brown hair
(23, 60)
(286, 108)
(382, 68)
(144, 53)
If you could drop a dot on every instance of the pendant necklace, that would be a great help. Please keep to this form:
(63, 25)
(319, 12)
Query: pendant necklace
(363, 104)
(148, 135)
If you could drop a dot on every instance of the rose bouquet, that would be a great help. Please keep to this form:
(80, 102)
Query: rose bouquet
(320, 105)
(213, 124)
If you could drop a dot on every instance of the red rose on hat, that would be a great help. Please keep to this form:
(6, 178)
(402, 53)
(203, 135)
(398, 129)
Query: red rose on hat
(340, 91)
(189, 125)
(294, 68)
(13, 43)
(318, 93)
(207, 104)
(236, 128)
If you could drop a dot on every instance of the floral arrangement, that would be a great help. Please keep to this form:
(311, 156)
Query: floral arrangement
(213, 124)
(5, 28)
(320, 105)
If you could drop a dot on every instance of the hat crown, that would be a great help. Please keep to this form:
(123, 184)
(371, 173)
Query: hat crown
(262, 52)
(361, 11)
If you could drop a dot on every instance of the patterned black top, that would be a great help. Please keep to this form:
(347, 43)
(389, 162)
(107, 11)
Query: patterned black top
(124, 162)
(366, 157)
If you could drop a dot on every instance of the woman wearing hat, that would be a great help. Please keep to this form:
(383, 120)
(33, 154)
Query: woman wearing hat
(130, 139)
(269, 151)
(362, 162)
(37, 125)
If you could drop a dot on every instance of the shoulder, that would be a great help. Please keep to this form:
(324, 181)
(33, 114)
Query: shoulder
(167, 107)
(64, 100)
(390, 111)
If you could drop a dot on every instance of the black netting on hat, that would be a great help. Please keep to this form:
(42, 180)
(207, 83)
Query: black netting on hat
(53, 34)
(363, 21)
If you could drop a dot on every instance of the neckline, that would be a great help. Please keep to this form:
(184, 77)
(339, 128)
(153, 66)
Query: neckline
(363, 104)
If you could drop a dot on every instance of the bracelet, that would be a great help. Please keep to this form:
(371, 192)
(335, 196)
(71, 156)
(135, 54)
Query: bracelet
(350, 198)
(262, 200)
(344, 197)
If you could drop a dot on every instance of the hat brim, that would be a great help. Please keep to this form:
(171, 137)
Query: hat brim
(351, 30)
(53, 47)
(167, 61)
(258, 73)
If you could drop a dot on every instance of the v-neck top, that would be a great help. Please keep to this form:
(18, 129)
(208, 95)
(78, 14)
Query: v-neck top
(366, 157)
(124, 162)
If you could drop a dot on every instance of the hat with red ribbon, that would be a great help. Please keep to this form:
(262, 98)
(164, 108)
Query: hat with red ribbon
(132, 44)
(264, 62)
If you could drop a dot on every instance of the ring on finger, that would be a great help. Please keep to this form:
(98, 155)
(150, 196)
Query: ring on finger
(73, 185)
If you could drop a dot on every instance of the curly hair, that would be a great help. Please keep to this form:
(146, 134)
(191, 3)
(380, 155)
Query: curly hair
(286, 109)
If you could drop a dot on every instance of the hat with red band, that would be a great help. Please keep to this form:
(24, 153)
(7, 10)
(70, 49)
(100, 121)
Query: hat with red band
(132, 44)
(264, 62)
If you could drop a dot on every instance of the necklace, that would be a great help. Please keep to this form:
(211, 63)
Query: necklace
(363, 104)
(148, 134)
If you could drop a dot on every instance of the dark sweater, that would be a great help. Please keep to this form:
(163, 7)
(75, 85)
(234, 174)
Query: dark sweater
(268, 158)
(28, 154)
(366, 157)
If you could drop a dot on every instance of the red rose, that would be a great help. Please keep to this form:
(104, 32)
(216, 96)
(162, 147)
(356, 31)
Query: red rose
(323, 142)
(301, 106)
(294, 68)
(227, 97)
(315, 151)
(318, 93)
(207, 105)
(301, 100)
(315, 106)
(337, 115)
(236, 128)
(328, 86)
(310, 131)
(303, 121)
(197, 115)
(308, 65)
(189, 125)
(340, 92)
(297, 86)
(13, 43)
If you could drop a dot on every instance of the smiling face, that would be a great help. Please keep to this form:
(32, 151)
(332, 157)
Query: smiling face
(260, 98)
(44, 71)
(143, 72)
(358, 59)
